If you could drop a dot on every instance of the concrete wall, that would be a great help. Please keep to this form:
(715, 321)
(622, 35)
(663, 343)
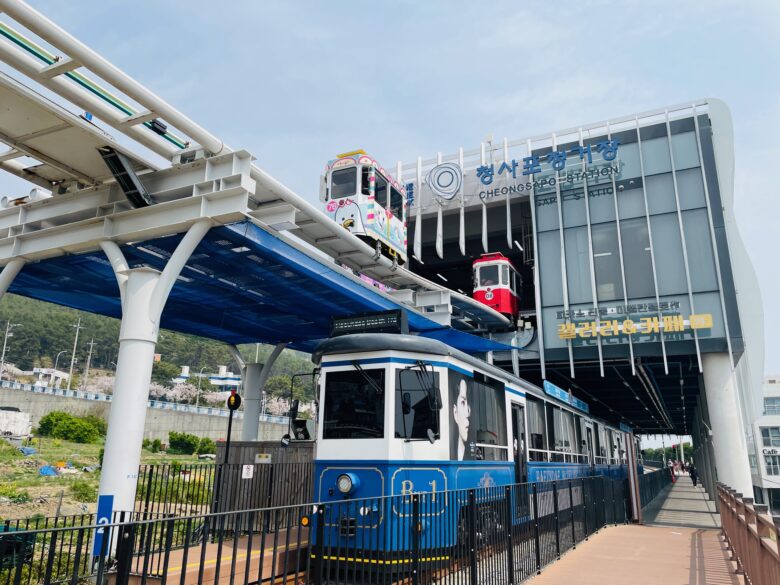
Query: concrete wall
(158, 422)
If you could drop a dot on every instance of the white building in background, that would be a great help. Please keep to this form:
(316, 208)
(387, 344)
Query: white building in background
(50, 377)
(765, 462)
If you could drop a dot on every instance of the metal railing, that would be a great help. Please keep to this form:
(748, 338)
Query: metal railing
(186, 490)
(654, 464)
(651, 484)
(498, 534)
(752, 535)
(157, 404)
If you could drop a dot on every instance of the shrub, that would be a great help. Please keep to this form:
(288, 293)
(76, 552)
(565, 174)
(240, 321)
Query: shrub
(206, 446)
(100, 425)
(153, 446)
(83, 491)
(49, 421)
(76, 430)
(16, 496)
(182, 443)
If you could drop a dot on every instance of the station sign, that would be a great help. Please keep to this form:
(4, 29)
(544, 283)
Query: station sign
(645, 325)
(380, 322)
(564, 396)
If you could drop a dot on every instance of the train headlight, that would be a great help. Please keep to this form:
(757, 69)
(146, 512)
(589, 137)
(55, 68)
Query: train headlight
(347, 482)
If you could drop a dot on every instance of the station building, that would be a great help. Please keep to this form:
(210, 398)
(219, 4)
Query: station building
(637, 295)
(765, 451)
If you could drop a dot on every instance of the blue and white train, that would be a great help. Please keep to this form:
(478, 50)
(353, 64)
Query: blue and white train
(401, 414)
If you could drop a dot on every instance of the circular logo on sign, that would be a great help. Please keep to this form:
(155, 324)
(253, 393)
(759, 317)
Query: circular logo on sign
(489, 295)
(445, 180)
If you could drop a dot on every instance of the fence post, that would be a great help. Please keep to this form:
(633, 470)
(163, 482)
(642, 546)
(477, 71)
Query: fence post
(415, 539)
(585, 510)
(319, 546)
(510, 562)
(555, 517)
(535, 499)
(571, 507)
(124, 553)
(50, 559)
(472, 523)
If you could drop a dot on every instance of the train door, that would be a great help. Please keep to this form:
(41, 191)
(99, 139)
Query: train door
(589, 441)
(520, 457)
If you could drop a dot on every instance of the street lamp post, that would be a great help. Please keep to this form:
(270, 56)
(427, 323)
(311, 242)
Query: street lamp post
(57, 359)
(8, 327)
(200, 377)
(73, 355)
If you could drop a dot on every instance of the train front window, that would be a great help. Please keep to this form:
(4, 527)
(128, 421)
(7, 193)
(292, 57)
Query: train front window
(343, 183)
(414, 412)
(354, 405)
(488, 275)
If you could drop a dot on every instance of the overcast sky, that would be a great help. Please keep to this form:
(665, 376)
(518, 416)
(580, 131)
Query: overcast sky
(297, 82)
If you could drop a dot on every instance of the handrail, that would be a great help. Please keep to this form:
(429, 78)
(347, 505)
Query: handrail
(752, 535)
(157, 404)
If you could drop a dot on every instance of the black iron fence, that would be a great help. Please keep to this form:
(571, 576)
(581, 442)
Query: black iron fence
(500, 534)
(651, 484)
(191, 490)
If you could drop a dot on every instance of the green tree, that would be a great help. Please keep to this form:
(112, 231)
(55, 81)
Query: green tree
(164, 372)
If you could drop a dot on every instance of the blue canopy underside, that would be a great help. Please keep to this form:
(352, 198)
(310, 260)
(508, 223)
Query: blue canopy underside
(241, 285)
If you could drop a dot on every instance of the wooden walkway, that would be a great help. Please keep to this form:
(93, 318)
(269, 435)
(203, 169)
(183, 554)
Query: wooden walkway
(680, 544)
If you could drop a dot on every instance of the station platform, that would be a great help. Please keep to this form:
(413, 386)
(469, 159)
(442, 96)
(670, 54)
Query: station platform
(680, 542)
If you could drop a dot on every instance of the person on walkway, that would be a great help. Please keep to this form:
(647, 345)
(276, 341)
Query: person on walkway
(694, 474)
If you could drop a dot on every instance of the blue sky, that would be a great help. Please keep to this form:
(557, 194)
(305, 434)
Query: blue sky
(297, 82)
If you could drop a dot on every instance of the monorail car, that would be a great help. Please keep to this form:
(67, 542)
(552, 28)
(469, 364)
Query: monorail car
(402, 414)
(364, 198)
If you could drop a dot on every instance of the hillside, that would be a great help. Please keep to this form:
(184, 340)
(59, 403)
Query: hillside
(48, 329)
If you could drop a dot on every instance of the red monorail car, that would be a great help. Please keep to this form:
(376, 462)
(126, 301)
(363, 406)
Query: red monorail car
(496, 283)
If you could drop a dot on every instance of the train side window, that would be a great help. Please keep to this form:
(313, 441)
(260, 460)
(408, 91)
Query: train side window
(364, 182)
(414, 413)
(536, 430)
(505, 275)
(488, 275)
(343, 183)
(354, 405)
(380, 191)
(396, 203)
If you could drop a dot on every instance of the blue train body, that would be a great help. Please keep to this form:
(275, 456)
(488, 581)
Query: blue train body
(406, 421)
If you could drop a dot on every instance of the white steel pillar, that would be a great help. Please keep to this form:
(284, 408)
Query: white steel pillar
(728, 437)
(144, 292)
(255, 377)
(8, 274)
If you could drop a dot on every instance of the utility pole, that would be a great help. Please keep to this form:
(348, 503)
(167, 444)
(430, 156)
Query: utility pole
(91, 344)
(73, 355)
(8, 327)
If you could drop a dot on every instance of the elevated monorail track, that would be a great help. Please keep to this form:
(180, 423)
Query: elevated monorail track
(66, 161)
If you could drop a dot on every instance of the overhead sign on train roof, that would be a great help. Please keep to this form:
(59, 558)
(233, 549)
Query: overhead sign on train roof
(561, 394)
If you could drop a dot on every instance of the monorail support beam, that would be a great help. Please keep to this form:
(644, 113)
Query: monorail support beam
(143, 292)
(728, 439)
(255, 377)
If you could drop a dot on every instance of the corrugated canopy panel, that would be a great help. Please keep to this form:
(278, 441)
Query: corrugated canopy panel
(242, 285)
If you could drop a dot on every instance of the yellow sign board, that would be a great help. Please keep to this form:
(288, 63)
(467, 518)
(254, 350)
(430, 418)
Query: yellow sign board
(616, 327)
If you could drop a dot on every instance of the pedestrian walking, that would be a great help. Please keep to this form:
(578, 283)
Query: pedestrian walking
(694, 474)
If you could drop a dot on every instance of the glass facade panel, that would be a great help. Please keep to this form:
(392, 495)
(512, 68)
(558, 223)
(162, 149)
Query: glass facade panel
(637, 259)
(686, 152)
(577, 265)
(655, 155)
(573, 207)
(770, 436)
(660, 193)
(691, 189)
(772, 405)
(550, 258)
(667, 246)
(701, 262)
(606, 259)
(628, 155)
(551, 322)
(602, 203)
(631, 202)
(546, 212)
(710, 303)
